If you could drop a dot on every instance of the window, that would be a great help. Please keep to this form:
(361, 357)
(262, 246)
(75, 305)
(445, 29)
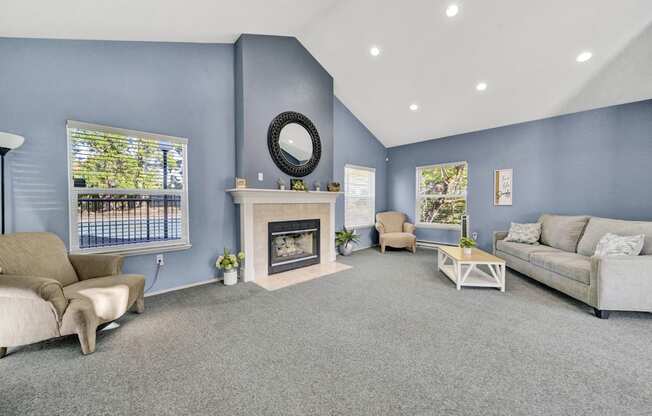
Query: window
(359, 196)
(127, 190)
(441, 195)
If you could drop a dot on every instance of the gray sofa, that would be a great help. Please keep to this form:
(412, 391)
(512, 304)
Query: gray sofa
(564, 261)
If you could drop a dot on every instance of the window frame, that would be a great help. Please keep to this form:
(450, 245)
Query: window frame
(418, 197)
(133, 248)
(372, 197)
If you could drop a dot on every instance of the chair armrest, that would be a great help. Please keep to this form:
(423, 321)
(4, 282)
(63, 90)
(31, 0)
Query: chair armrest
(34, 288)
(622, 282)
(379, 227)
(499, 235)
(408, 228)
(89, 266)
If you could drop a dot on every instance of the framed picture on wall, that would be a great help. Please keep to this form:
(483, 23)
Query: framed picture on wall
(503, 186)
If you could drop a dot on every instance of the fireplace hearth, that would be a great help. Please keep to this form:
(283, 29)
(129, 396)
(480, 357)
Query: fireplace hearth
(293, 244)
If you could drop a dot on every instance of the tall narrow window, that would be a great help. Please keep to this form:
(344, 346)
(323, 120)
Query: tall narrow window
(359, 196)
(441, 195)
(128, 190)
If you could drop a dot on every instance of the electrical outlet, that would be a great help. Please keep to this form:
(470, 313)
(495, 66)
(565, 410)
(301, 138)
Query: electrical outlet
(260, 176)
(160, 260)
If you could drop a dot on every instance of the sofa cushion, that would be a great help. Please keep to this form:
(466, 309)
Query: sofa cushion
(524, 233)
(522, 250)
(616, 245)
(570, 265)
(598, 227)
(36, 254)
(562, 231)
(111, 296)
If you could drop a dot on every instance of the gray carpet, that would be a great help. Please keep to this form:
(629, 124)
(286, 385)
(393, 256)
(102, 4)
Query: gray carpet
(391, 336)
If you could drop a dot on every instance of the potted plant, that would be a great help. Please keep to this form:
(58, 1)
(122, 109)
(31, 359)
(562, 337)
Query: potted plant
(230, 263)
(467, 245)
(345, 240)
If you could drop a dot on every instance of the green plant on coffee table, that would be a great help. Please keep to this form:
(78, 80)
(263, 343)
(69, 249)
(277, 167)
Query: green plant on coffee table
(466, 242)
(228, 261)
(345, 236)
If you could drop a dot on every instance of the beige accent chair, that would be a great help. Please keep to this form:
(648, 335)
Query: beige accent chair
(395, 231)
(46, 293)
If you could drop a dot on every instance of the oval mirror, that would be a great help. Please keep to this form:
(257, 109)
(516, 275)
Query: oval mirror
(296, 144)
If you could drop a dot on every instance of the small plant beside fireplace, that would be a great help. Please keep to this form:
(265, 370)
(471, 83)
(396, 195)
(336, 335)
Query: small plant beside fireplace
(230, 264)
(345, 240)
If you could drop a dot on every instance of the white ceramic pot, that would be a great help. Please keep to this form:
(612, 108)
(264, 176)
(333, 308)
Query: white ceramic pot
(467, 251)
(346, 249)
(230, 277)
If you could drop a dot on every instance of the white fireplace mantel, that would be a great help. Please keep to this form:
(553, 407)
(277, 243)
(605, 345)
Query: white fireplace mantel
(247, 198)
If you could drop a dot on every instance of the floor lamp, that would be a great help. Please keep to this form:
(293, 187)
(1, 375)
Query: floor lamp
(8, 142)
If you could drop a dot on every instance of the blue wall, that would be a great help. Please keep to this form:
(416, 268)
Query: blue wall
(594, 162)
(274, 74)
(177, 89)
(356, 145)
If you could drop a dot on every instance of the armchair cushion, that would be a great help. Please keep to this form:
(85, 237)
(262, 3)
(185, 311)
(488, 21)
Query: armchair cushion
(110, 296)
(36, 254)
(392, 221)
(89, 266)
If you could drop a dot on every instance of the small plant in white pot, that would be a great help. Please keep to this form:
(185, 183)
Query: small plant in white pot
(345, 240)
(230, 264)
(467, 245)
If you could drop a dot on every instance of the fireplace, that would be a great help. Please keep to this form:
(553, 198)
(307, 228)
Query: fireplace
(292, 244)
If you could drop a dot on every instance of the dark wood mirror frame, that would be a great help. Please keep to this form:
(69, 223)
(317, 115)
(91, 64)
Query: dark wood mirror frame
(273, 136)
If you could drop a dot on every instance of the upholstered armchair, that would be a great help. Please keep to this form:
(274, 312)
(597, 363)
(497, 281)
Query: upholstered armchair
(45, 293)
(395, 231)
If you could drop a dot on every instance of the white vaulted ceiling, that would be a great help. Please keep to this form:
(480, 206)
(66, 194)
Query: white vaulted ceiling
(524, 50)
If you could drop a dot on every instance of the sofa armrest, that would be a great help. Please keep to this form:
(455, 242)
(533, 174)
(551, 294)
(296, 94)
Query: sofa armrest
(499, 235)
(34, 288)
(408, 228)
(380, 228)
(89, 266)
(622, 282)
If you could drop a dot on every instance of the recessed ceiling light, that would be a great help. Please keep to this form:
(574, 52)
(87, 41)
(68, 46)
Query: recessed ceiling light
(481, 86)
(452, 10)
(584, 56)
(374, 51)
(414, 106)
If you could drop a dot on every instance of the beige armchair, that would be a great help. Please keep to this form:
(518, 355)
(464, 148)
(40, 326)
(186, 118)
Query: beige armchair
(45, 293)
(394, 231)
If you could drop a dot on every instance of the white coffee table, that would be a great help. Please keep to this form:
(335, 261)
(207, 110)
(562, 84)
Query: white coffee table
(464, 270)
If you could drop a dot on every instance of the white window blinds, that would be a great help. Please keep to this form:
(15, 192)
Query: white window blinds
(359, 196)
(127, 189)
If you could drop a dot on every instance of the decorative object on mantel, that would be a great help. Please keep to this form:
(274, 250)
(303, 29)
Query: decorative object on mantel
(333, 187)
(467, 245)
(503, 184)
(317, 186)
(294, 143)
(240, 183)
(281, 184)
(298, 185)
(345, 240)
(230, 264)
(8, 141)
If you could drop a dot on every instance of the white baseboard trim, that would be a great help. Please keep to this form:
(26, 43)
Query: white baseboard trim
(432, 245)
(174, 289)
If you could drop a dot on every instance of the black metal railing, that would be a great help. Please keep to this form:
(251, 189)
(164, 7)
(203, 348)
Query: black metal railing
(118, 220)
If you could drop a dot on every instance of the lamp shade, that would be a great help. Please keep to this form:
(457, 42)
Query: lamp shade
(10, 141)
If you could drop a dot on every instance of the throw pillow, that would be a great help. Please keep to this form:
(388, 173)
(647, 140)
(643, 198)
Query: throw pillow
(524, 233)
(616, 245)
